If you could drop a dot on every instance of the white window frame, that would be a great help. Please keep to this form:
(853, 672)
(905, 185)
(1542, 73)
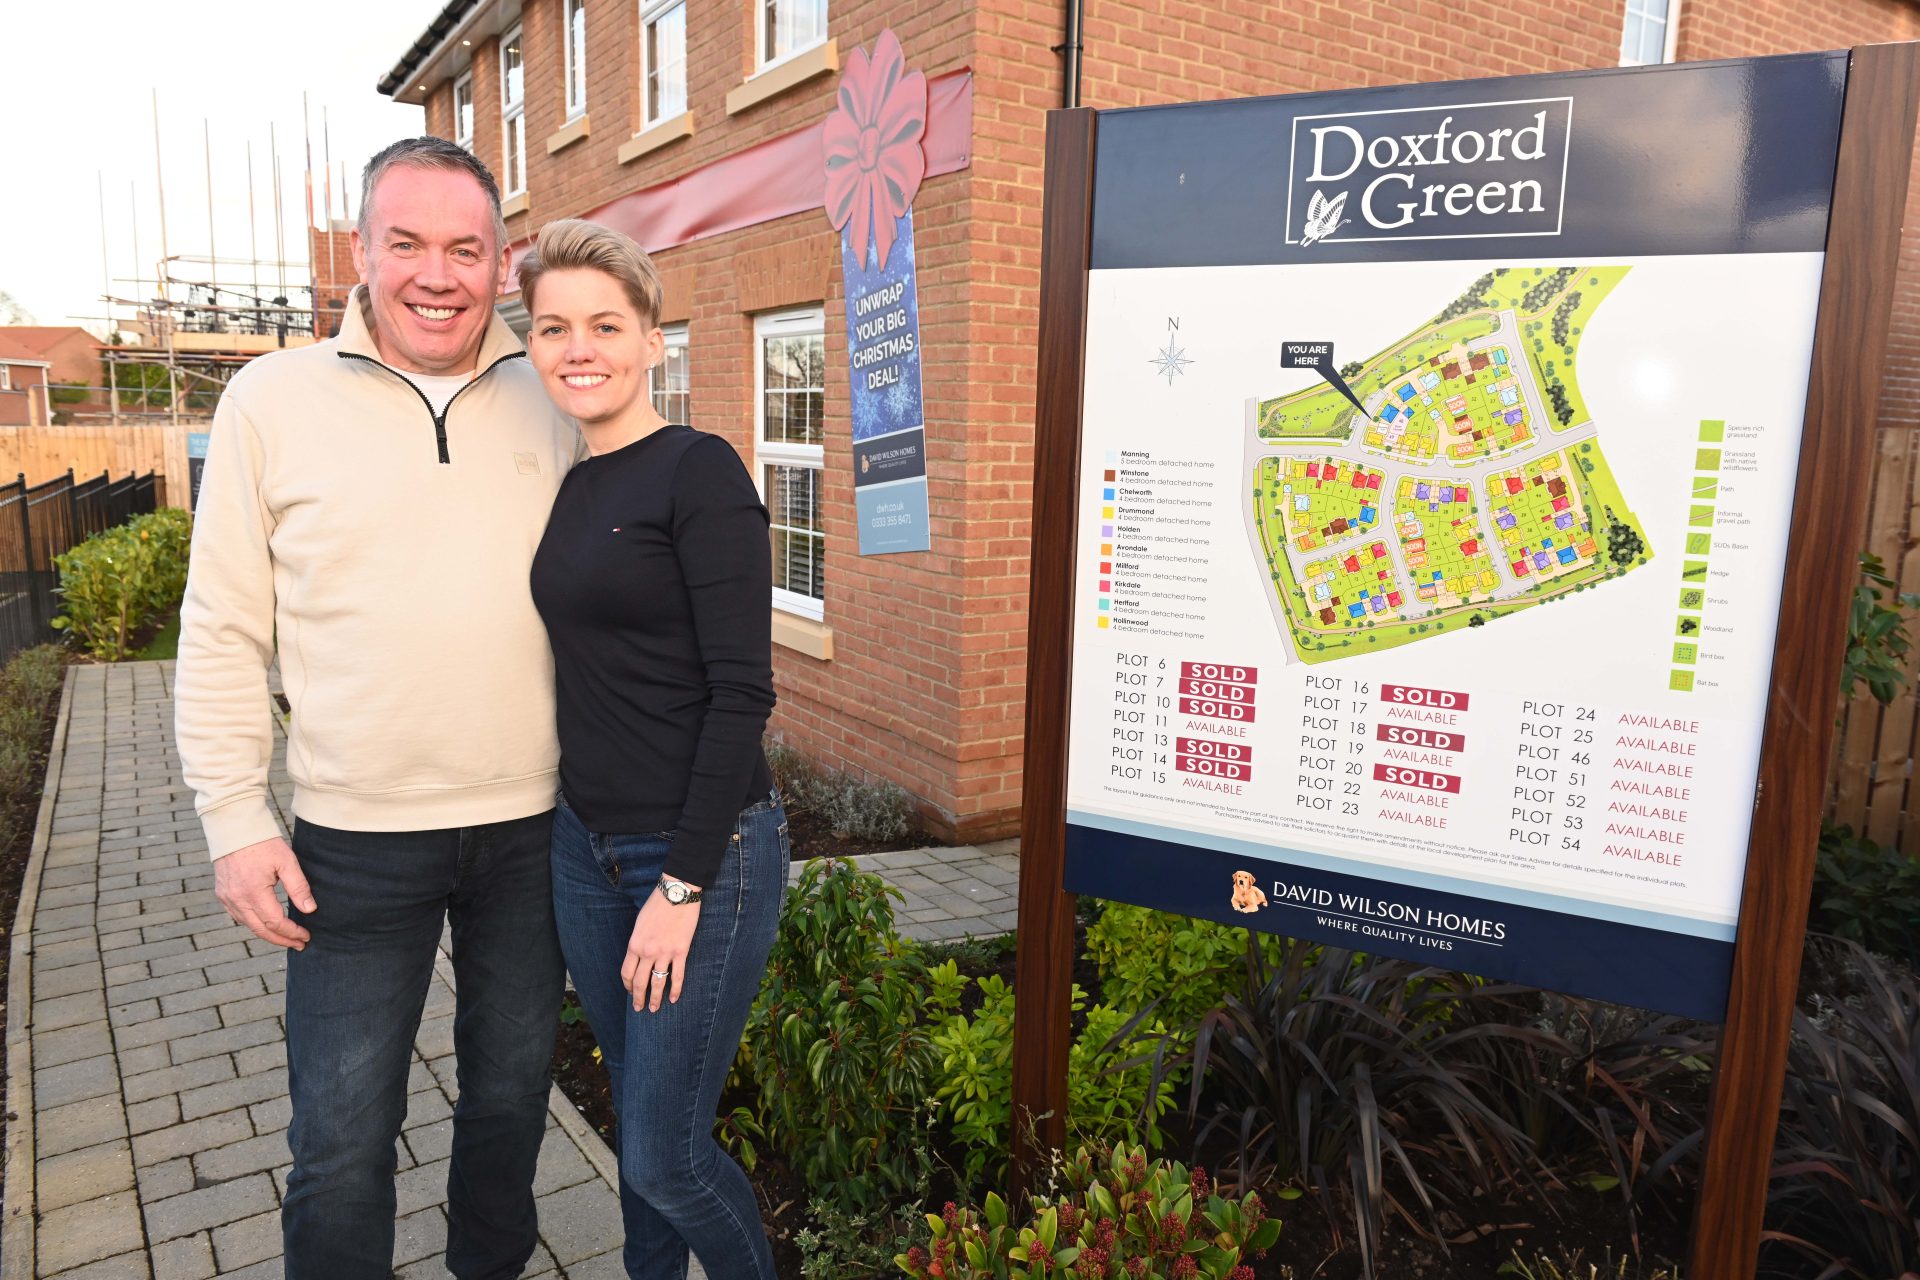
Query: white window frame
(573, 56)
(515, 161)
(766, 453)
(652, 11)
(6, 377)
(764, 57)
(463, 84)
(1668, 46)
(676, 338)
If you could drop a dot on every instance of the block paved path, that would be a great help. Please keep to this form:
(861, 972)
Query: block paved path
(147, 1070)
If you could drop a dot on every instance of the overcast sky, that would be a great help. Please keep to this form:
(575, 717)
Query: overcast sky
(76, 101)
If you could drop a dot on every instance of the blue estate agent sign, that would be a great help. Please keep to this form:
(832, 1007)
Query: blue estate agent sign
(889, 419)
(1315, 686)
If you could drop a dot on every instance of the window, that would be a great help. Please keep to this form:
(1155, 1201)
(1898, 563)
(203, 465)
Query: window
(668, 382)
(663, 60)
(6, 378)
(790, 377)
(513, 115)
(1647, 38)
(789, 26)
(463, 110)
(575, 34)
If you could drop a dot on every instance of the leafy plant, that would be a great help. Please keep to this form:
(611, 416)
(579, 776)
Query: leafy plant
(29, 691)
(1877, 636)
(118, 582)
(1867, 894)
(1185, 965)
(837, 1045)
(1846, 1176)
(1351, 1076)
(1111, 1092)
(1122, 1217)
(855, 808)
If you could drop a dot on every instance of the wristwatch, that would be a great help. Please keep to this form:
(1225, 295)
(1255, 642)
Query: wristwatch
(677, 892)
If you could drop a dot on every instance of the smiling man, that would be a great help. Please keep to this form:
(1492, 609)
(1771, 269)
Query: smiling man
(369, 512)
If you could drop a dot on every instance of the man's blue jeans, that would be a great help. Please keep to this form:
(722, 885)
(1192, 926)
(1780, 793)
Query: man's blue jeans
(354, 997)
(678, 1186)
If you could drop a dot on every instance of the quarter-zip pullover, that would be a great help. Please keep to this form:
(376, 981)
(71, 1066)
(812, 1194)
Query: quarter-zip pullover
(383, 551)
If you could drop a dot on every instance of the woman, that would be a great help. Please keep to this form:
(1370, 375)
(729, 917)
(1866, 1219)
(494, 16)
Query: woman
(669, 843)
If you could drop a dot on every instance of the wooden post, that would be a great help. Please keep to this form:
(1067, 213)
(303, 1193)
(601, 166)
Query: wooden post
(1043, 976)
(1829, 518)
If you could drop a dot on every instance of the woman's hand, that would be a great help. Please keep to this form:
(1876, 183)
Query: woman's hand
(657, 951)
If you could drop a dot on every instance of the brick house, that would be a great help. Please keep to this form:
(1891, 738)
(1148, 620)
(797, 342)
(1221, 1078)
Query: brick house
(694, 125)
(72, 355)
(24, 393)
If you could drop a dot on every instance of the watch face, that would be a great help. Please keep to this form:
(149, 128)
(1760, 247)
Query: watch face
(676, 892)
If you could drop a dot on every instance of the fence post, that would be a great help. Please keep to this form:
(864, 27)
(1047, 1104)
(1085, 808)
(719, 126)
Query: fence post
(26, 544)
(73, 513)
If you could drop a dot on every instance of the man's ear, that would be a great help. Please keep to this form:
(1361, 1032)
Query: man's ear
(359, 254)
(506, 269)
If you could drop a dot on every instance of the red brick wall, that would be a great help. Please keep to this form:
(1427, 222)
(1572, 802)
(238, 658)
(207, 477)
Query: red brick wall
(927, 683)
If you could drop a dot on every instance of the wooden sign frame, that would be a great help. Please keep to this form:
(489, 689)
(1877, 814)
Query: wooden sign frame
(1829, 521)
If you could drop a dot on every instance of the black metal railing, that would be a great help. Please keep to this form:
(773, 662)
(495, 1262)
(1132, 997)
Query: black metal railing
(41, 521)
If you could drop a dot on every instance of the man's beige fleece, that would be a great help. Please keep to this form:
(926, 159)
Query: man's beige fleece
(395, 584)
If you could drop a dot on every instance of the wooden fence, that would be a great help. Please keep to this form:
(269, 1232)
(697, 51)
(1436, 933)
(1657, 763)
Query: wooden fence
(41, 453)
(1871, 782)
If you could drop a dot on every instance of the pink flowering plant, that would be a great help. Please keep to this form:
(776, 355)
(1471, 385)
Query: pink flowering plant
(1123, 1218)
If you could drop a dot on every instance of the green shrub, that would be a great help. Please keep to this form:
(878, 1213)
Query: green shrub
(855, 808)
(1121, 1217)
(1877, 639)
(1867, 894)
(1110, 1089)
(837, 1045)
(1188, 965)
(117, 583)
(29, 685)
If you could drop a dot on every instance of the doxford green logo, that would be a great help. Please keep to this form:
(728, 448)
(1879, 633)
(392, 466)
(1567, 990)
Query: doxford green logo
(1430, 173)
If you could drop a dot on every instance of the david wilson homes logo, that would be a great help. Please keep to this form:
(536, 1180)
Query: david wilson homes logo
(1430, 173)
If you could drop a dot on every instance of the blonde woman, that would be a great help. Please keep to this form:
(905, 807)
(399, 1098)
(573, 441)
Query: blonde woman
(669, 842)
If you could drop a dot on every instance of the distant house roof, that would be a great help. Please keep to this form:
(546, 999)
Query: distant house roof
(42, 338)
(13, 351)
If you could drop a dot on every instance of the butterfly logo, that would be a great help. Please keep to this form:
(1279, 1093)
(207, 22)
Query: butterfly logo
(1323, 217)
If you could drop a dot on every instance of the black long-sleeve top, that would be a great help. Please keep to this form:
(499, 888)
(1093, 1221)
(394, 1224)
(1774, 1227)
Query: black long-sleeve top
(652, 579)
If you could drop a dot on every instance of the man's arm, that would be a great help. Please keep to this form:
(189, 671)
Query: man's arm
(222, 715)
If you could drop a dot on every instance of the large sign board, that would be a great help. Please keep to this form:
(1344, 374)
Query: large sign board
(1447, 500)
(1456, 644)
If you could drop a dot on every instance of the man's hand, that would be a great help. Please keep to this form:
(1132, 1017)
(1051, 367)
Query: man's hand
(243, 881)
(657, 951)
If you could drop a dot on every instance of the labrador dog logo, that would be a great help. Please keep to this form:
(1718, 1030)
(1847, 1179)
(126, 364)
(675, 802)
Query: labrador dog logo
(1247, 896)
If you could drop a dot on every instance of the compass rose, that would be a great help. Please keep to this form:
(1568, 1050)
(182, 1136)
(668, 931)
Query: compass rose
(1172, 360)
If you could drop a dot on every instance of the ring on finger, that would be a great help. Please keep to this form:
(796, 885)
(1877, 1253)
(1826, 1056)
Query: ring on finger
(660, 974)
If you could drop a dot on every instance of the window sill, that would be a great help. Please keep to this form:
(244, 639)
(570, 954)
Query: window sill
(820, 60)
(803, 635)
(655, 136)
(568, 134)
(513, 204)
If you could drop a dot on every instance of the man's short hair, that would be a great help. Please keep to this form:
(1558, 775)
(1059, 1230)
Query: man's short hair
(574, 243)
(430, 153)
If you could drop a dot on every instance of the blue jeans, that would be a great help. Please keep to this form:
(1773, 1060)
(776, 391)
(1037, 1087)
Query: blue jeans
(678, 1187)
(354, 997)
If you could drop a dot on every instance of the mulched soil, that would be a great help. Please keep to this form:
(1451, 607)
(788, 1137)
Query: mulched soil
(812, 837)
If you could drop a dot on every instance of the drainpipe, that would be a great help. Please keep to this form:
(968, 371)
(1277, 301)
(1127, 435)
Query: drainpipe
(1075, 43)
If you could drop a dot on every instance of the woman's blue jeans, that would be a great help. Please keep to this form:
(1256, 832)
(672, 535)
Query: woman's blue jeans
(679, 1188)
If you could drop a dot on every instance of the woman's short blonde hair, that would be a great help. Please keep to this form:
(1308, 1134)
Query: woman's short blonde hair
(574, 243)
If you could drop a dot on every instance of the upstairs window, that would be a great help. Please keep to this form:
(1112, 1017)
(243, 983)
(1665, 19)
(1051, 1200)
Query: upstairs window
(513, 116)
(788, 27)
(576, 58)
(463, 110)
(663, 60)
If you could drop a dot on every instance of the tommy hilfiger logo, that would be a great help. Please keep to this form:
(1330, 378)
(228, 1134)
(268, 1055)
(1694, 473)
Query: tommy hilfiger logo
(1430, 173)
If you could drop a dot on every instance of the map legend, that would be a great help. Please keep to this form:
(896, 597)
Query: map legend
(1693, 572)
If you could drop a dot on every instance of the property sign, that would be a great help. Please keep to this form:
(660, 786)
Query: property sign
(196, 465)
(1438, 452)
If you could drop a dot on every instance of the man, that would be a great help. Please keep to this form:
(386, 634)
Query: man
(370, 508)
